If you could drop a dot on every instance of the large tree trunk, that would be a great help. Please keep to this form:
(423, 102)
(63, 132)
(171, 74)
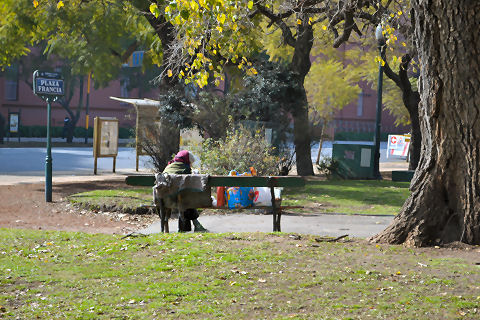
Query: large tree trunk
(300, 65)
(444, 205)
(416, 133)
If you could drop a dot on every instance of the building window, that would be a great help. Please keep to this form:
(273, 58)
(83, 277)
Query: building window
(360, 104)
(11, 83)
(124, 87)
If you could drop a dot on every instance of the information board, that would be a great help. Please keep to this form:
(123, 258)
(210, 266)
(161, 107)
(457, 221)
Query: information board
(105, 139)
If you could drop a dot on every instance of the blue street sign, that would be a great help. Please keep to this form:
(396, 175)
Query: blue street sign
(47, 84)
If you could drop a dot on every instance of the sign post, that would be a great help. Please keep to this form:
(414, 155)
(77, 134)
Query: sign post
(49, 87)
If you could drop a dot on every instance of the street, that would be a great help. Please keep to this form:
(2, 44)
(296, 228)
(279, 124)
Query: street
(79, 160)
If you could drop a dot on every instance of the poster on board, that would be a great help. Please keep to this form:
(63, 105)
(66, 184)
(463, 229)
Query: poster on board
(14, 122)
(398, 145)
(109, 138)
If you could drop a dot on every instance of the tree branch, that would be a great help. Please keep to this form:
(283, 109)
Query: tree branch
(389, 72)
(131, 48)
(288, 37)
(406, 58)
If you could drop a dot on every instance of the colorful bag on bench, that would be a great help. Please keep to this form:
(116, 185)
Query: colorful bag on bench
(240, 197)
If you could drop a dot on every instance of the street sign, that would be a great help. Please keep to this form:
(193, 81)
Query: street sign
(398, 145)
(49, 87)
(47, 84)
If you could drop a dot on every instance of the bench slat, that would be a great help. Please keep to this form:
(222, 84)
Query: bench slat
(283, 181)
(226, 181)
(140, 180)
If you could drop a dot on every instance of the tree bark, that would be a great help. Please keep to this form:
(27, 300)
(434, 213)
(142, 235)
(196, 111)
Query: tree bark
(444, 204)
(413, 100)
(166, 32)
(300, 66)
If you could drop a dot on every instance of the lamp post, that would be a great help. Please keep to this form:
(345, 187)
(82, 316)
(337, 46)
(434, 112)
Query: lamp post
(381, 48)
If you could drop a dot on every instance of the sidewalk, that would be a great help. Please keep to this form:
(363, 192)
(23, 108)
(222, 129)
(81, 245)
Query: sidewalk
(79, 140)
(333, 225)
(87, 175)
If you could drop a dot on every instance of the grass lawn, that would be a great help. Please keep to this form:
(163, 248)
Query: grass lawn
(113, 200)
(50, 275)
(350, 196)
(330, 196)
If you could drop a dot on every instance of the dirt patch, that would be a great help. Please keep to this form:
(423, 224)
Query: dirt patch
(24, 206)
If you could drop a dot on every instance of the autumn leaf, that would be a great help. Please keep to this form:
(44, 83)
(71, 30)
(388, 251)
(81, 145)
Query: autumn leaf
(35, 3)
(60, 4)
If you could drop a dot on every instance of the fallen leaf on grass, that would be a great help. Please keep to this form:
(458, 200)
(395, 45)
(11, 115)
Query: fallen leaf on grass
(262, 280)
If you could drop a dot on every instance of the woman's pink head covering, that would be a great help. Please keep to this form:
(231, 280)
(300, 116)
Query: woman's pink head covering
(183, 156)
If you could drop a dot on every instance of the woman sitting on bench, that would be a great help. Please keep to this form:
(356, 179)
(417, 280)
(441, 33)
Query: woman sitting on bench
(181, 165)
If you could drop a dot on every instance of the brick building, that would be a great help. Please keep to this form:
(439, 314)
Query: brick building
(17, 96)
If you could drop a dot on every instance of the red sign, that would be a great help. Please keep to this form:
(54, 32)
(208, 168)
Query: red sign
(393, 140)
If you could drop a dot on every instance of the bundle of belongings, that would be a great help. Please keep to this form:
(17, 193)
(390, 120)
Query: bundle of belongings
(181, 191)
(177, 188)
(244, 197)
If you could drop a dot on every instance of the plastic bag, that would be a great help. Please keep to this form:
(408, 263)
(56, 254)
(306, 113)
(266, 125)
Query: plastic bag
(263, 196)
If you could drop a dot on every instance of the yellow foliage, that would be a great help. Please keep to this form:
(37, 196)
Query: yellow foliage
(330, 86)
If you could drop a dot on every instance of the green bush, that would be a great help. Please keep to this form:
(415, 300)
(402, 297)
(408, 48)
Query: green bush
(328, 166)
(239, 150)
(125, 133)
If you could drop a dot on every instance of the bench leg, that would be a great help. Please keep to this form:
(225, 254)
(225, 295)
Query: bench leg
(164, 216)
(279, 215)
(276, 212)
(166, 228)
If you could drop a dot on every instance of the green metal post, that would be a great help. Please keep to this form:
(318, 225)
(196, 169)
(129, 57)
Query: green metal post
(48, 160)
(86, 109)
(378, 120)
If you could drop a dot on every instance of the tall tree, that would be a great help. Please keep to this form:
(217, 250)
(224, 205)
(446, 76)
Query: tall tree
(444, 205)
(218, 31)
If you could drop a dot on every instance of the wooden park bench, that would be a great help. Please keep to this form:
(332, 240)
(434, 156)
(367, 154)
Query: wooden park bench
(231, 181)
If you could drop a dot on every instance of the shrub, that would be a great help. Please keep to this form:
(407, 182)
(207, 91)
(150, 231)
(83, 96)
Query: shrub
(239, 150)
(327, 166)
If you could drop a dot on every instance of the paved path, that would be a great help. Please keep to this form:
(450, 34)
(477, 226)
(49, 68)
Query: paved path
(27, 165)
(334, 225)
